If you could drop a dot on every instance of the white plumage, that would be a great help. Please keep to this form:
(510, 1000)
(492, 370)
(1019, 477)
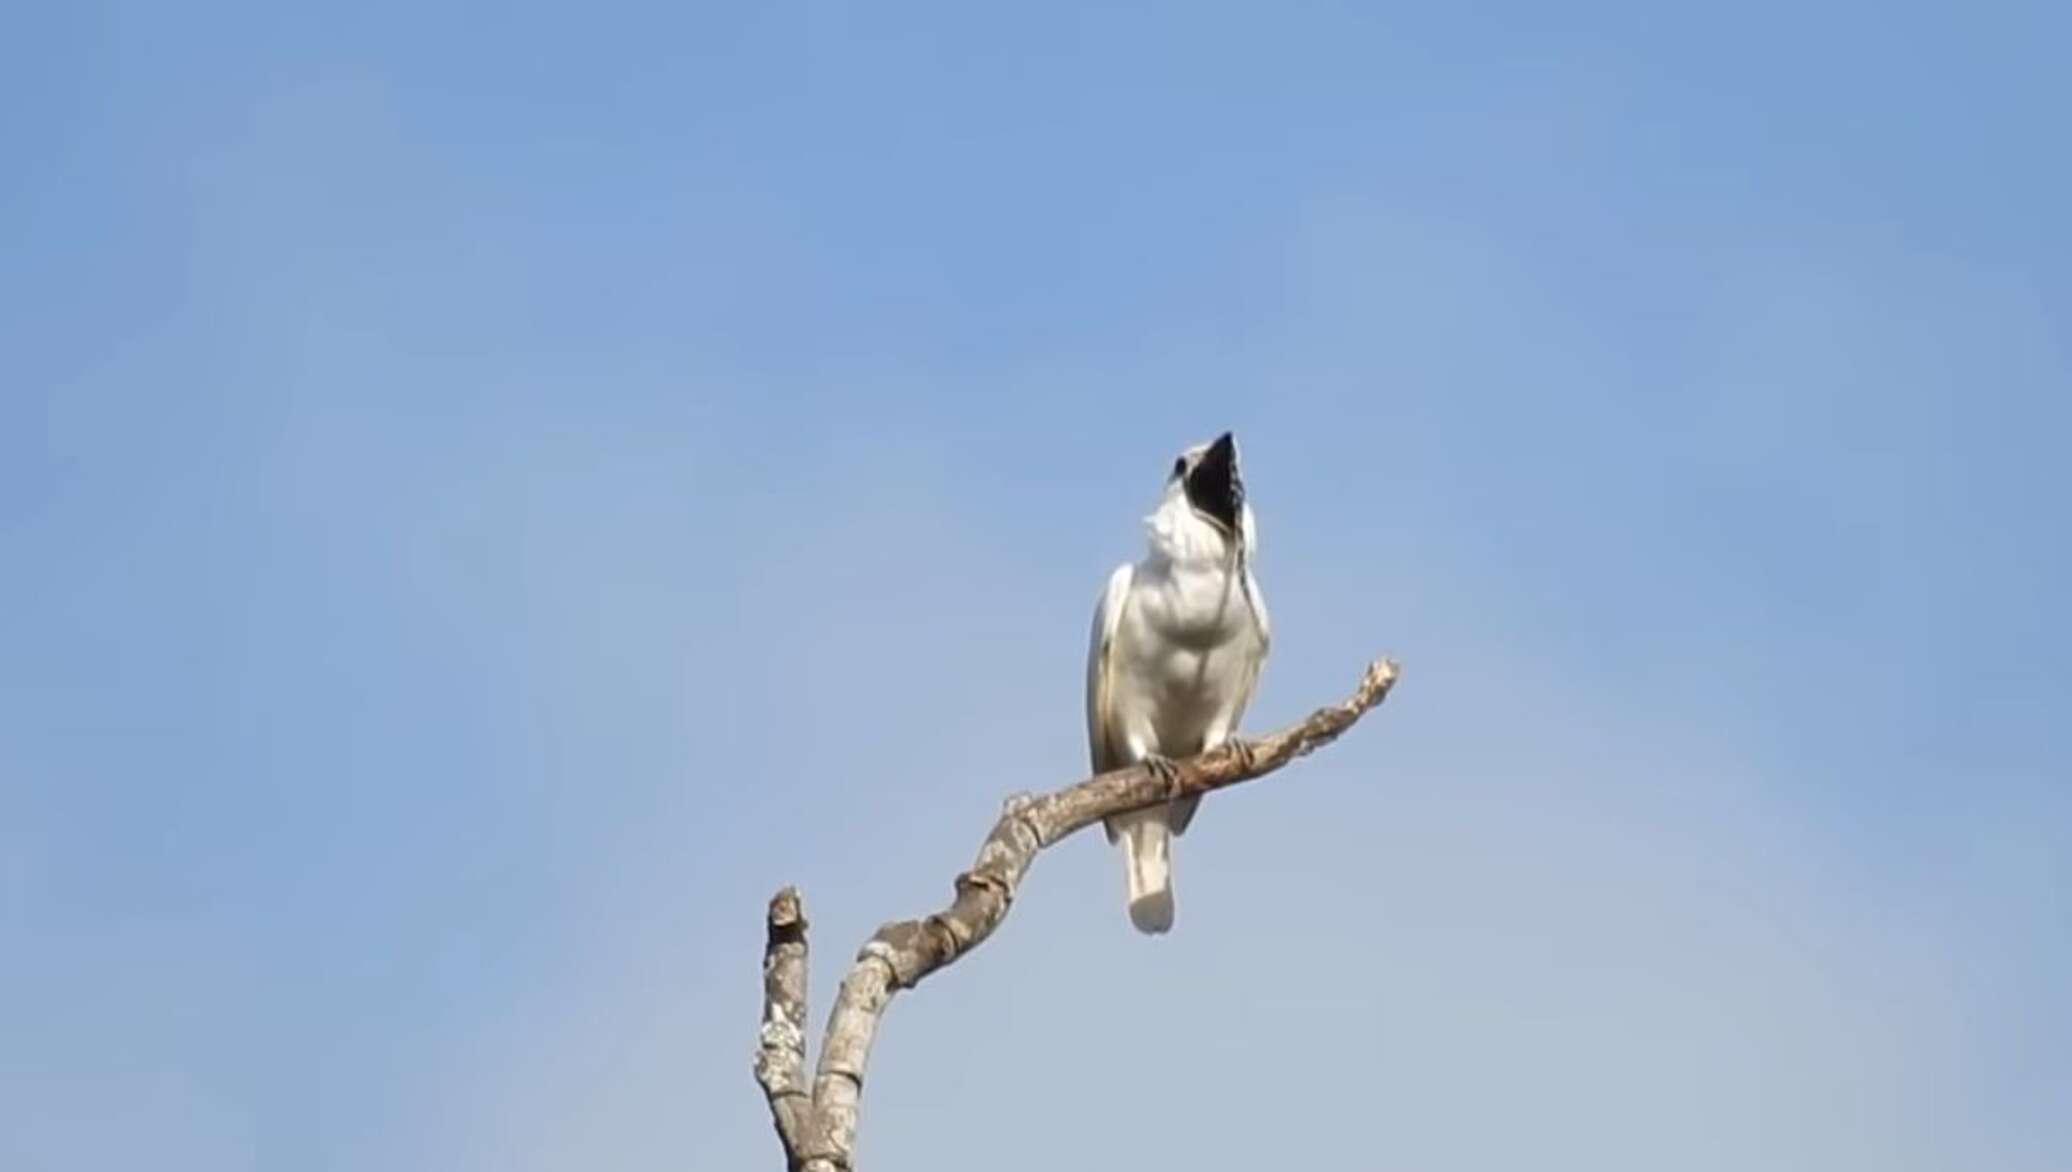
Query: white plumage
(1178, 641)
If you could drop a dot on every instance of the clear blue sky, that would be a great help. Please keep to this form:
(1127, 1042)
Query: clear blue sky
(484, 498)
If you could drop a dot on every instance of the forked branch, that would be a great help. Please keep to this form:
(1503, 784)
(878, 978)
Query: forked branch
(818, 1126)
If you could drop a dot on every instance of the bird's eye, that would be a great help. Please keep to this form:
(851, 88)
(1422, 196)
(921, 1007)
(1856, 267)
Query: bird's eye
(1180, 466)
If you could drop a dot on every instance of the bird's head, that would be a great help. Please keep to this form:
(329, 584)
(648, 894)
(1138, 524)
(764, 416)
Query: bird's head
(1204, 507)
(1206, 476)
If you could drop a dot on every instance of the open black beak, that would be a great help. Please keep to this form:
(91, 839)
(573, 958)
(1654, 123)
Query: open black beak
(1214, 488)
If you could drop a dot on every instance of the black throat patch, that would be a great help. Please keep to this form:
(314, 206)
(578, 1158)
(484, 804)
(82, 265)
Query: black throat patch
(1213, 486)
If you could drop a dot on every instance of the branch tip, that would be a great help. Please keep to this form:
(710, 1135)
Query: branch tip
(787, 909)
(1380, 677)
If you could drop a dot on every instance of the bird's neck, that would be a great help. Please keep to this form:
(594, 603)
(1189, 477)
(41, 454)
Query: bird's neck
(1176, 536)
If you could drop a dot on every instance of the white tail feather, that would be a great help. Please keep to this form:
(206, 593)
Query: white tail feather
(1147, 867)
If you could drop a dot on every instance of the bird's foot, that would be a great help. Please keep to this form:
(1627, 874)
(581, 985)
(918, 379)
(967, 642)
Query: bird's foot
(1165, 769)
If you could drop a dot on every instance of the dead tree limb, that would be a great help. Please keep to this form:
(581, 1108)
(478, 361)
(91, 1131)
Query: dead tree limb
(818, 1126)
(780, 1059)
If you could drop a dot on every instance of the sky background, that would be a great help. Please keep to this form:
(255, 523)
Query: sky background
(485, 497)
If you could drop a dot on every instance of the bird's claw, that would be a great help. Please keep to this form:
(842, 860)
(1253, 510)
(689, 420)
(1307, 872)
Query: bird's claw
(1165, 770)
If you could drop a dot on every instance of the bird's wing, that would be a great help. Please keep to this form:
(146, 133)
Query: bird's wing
(1257, 659)
(1104, 739)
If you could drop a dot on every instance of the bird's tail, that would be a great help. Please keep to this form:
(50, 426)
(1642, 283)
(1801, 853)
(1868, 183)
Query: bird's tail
(1147, 866)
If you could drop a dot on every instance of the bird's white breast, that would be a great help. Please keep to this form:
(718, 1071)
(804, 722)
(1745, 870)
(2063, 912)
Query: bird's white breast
(1187, 641)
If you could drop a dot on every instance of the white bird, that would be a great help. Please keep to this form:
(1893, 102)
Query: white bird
(1178, 641)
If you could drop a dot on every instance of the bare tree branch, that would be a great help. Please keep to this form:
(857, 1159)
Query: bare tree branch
(819, 1132)
(780, 1058)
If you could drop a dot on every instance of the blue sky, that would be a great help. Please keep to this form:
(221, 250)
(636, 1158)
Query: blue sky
(486, 497)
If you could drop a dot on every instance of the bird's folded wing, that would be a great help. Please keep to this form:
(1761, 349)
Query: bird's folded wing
(1104, 738)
